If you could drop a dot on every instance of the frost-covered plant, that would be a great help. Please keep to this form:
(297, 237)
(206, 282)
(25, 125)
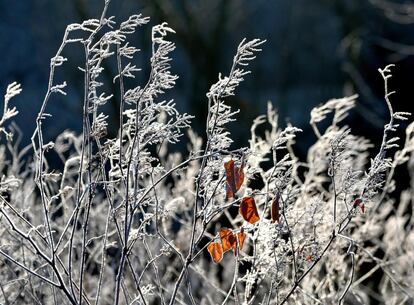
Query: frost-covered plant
(126, 221)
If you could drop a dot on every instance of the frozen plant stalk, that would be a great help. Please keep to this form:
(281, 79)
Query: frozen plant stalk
(126, 221)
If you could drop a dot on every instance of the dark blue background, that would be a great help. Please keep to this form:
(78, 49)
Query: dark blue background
(315, 50)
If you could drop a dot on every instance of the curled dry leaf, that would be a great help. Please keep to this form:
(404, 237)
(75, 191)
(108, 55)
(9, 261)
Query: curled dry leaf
(241, 236)
(234, 178)
(275, 209)
(238, 245)
(359, 203)
(248, 210)
(216, 251)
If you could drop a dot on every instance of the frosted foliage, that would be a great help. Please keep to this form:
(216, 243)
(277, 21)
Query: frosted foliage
(129, 220)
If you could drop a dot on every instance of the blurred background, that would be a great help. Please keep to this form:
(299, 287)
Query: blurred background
(316, 50)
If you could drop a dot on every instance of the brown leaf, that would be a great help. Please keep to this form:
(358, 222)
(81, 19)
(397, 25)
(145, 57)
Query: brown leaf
(275, 209)
(234, 178)
(241, 236)
(216, 251)
(248, 210)
(228, 239)
(239, 176)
